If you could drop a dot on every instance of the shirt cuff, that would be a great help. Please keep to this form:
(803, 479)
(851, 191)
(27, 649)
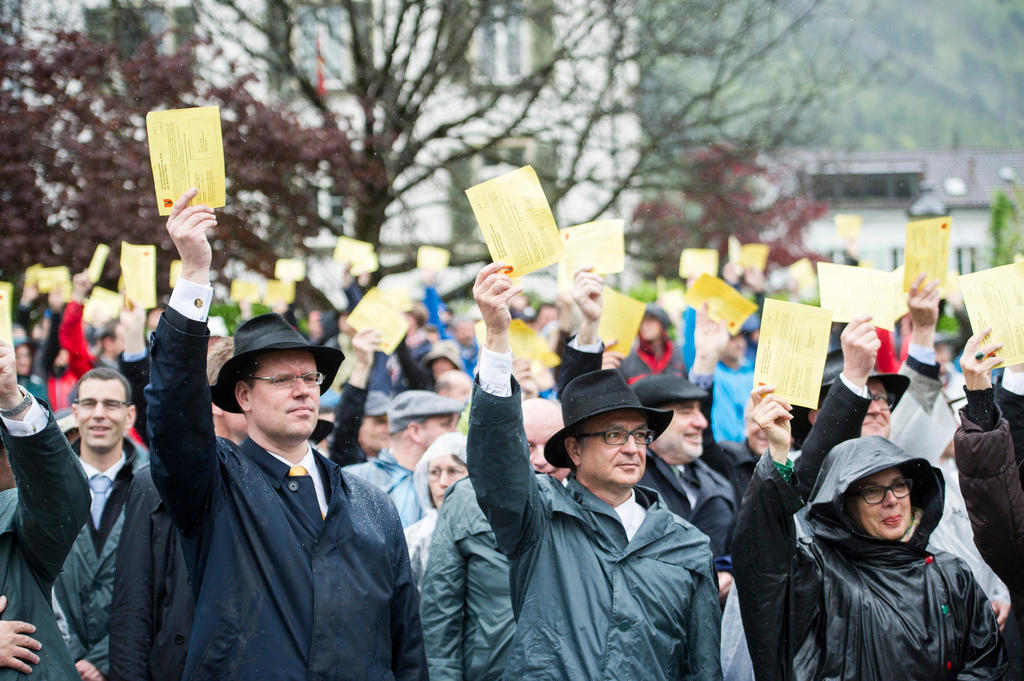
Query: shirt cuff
(706, 381)
(859, 392)
(590, 347)
(192, 300)
(34, 421)
(922, 354)
(1013, 382)
(494, 371)
(134, 357)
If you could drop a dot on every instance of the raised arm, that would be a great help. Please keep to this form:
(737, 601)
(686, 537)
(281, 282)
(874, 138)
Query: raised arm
(72, 335)
(920, 367)
(180, 421)
(53, 496)
(498, 452)
(348, 415)
(582, 353)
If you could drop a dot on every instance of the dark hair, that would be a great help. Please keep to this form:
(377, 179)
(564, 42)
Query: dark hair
(109, 331)
(107, 374)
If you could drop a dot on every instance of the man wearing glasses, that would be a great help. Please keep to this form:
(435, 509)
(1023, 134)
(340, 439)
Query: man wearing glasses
(299, 569)
(103, 412)
(605, 580)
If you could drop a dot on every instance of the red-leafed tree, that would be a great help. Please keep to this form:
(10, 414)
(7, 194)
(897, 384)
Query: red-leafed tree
(726, 193)
(75, 167)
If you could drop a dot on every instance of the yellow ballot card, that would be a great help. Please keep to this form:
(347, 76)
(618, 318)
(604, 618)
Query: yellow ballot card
(366, 264)
(952, 285)
(754, 256)
(432, 258)
(279, 292)
(848, 226)
(349, 250)
(600, 244)
(735, 252)
(32, 275)
(290, 269)
(138, 267)
(244, 291)
(186, 150)
(397, 298)
(724, 302)
(995, 298)
(175, 272)
(99, 259)
(693, 262)
(802, 272)
(517, 223)
(6, 305)
(851, 291)
(524, 342)
(620, 320)
(103, 304)
(927, 250)
(791, 350)
(52, 278)
(375, 310)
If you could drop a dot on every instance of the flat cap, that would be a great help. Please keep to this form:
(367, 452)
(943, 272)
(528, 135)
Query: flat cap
(418, 405)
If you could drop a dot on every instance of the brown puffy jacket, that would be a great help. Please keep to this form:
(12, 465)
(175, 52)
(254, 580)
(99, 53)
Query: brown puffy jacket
(991, 485)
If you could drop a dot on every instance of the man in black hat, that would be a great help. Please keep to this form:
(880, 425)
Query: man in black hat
(299, 570)
(605, 579)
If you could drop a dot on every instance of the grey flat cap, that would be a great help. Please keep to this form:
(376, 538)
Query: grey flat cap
(418, 405)
(376, 403)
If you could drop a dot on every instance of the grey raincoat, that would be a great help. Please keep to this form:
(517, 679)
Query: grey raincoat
(840, 604)
(588, 604)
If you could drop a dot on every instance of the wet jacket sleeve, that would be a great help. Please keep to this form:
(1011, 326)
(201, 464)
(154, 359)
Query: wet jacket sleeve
(343, 445)
(991, 486)
(407, 654)
(53, 499)
(72, 339)
(772, 580)
(983, 655)
(839, 420)
(1012, 406)
(131, 607)
(182, 442)
(576, 363)
(442, 604)
(137, 373)
(499, 466)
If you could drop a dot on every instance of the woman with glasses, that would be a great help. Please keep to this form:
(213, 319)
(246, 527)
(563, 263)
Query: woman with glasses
(861, 596)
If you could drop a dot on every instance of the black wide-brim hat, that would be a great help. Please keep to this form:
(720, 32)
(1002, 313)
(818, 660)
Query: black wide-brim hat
(262, 334)
(597, 392)
(896, 384)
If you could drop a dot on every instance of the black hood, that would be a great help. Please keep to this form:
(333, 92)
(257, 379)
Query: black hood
(856, 459)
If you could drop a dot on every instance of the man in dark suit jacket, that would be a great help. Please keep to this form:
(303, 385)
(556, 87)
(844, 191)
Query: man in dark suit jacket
(299, 570)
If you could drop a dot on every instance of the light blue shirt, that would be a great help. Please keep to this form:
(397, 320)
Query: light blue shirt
(395, 481)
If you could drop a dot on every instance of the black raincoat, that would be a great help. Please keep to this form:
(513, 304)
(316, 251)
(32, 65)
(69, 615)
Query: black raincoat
(840, 604)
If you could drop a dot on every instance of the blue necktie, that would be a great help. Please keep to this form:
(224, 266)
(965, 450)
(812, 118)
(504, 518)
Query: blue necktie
(100, 486)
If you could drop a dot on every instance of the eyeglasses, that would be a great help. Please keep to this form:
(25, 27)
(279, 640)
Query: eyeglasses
(874, 494)
(888, 398)
(617, 436)
(108, 405)
(312, 379)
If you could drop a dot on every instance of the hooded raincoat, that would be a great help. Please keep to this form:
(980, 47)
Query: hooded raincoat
(589, 603)
(839, 604)
(419, 534)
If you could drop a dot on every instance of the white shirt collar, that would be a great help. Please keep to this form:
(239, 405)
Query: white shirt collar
(631, 514)
(110, 473)
(309, 463)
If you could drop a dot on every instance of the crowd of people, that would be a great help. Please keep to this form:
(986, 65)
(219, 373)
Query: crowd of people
(291, 502)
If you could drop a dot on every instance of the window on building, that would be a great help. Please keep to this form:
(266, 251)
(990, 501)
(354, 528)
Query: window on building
(320, 43)
(10, 17)
(867, 187)
(500, 43)
(128, 26)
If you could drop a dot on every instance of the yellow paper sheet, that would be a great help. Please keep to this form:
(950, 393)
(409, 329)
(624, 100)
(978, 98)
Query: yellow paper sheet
(375, 311)
(186, 150)
(952, 285)
(104, 303)
(349, 250)
(995, 298)
(673, 302)
(693, 262)
(99, 259)
(32, 275)
(433, 258)
(50, 278)
(620, 320)
(279, 292)
(735, 253)
(138, 267)
(397, 298)
(517, 223)
(724, 302)
(6, 305)
(600, 244)
(851, 291)
(244, 291)
(803, 272)
(848, 226)
(366, 264)
(927, 250)
(754, 256)
(290, 269)
(791, 350)
(175, 272)
(525, 342)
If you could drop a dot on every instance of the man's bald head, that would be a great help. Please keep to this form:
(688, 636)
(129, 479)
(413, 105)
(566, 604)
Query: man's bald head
(542, 419)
